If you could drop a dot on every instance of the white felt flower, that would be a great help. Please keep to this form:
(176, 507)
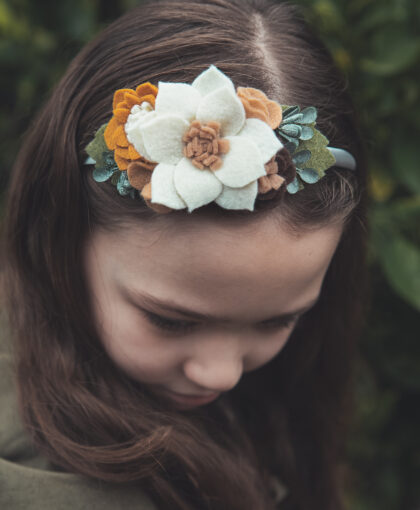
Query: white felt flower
(158, 136)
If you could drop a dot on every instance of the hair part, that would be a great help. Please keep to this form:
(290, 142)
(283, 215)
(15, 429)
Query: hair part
(82, 412)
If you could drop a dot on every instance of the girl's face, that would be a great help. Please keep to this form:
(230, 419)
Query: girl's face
(188, 306)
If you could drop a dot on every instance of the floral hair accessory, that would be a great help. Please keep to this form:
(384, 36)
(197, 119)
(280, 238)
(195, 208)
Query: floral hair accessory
(182, 146)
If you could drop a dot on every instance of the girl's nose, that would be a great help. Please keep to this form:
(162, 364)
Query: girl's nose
(216, 373)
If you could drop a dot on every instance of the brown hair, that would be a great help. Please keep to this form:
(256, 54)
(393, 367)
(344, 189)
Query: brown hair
(82, 412)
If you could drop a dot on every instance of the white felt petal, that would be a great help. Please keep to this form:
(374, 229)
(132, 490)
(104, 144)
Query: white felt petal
(132, 130)
(225, 107)
(242, 164)
(162, 138)
(163, 189)
(263, 136)
(212, 79)
(177, 98)
(238, 198)
(196, 187)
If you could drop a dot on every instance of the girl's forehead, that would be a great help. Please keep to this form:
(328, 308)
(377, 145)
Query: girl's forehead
(214, 266)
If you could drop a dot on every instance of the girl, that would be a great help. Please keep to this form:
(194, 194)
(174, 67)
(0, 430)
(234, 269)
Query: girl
(184, 339)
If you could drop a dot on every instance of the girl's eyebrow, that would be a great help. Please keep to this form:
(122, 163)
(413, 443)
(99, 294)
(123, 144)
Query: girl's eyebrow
(152, 304)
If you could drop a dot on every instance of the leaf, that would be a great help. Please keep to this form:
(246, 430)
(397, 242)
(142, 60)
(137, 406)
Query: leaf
(394, 51)
(293, 187)
(123, 185)
(289, 110)
(102, 174)
(321, 159)
(307, 133)
(406, 162)
(301, 157)
(291, 130)
(292, 145)
(115, 178)
(292, 142)
(309, 115)
(97, 147)
(400, 260)
(308, 175)
(296, 118)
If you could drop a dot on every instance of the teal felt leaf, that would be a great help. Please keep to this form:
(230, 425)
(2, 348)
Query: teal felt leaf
(308, 175)
(291, 130)
(102, 174)
(293, 141)
(97, 147)
(296, 118)
(289, 110)
(292, 145)
(309, 115)
(123, 185)
(301, 157)
(307, 133)
(293, 187)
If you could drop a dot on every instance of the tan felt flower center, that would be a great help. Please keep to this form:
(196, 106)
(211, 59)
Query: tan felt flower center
(203, 145)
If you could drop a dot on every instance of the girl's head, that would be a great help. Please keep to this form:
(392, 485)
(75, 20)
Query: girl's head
(112, 305)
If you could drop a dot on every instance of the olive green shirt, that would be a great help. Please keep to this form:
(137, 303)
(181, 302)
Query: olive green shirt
(29, 481)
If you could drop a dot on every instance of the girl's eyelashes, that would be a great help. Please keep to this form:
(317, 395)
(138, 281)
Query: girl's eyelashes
(279, 324)
(170, 325)
(180, 326)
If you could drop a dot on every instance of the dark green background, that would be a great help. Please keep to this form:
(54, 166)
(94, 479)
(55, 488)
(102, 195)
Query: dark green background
(377, 44)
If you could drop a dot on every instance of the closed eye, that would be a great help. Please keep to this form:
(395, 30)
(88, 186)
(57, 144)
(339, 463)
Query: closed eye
(170, 325)
(180, 326)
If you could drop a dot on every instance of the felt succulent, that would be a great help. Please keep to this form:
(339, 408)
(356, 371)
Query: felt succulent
(308, 147)
(105, 165)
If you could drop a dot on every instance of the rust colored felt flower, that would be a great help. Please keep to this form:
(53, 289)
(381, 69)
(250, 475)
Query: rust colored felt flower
(272, 180)
(258, 106)
(125, 100)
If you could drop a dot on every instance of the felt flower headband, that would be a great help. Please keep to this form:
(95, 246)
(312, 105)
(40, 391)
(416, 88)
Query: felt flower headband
(182, 146)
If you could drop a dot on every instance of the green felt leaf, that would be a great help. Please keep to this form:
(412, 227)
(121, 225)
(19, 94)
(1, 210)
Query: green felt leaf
(115, 178)
(321, 159)
(97, 147)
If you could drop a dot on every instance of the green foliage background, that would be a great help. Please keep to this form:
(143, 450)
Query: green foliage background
(377, 44)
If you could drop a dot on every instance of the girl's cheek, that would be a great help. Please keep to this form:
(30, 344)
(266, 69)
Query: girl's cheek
(139, 351)
(266, 350)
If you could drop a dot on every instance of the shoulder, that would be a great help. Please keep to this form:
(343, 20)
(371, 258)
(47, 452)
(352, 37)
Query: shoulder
(27, 480)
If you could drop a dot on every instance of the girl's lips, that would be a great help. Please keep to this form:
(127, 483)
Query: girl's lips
(191, 400)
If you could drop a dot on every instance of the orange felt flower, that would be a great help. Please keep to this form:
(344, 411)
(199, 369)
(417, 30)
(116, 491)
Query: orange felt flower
(257, 105)
(114, 135)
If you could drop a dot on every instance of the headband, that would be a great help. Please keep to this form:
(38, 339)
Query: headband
(182, 146)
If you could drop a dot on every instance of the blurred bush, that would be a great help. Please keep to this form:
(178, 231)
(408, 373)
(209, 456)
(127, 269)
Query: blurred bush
(377, 46)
